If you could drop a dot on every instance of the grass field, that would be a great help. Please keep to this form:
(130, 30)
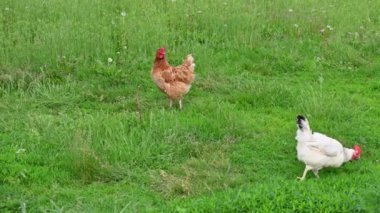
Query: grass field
(81, 134)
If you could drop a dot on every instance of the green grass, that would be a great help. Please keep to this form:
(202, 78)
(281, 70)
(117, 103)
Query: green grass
(80, 134)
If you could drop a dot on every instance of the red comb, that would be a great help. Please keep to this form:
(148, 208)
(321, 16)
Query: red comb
(160, 53)
(357, 152)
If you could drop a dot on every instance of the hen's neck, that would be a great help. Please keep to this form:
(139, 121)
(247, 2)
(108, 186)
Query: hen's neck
(304, 136)
(348, 153)
(161, 63)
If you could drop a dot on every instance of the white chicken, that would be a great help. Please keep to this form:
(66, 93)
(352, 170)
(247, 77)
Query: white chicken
(317, 150)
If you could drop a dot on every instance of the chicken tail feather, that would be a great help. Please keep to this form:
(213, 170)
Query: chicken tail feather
(189, 61)
(302, 123)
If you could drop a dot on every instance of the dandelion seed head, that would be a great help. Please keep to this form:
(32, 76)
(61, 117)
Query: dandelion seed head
(123, 13)
(330, 27)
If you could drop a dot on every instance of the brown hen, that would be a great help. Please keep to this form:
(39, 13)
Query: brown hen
(175, 82)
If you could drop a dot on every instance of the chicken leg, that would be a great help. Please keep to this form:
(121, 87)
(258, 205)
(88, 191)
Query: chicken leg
(180, 103)
(170, 103)
(315, 171)
(307, 168)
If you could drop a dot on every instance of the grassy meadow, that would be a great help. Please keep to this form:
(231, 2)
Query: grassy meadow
(84, 129)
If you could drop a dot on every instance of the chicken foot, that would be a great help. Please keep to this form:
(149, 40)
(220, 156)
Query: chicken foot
(307, 168)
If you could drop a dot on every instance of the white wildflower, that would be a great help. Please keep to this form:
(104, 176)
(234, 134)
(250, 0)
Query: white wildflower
(296, 25)
(320, 79)
(330, 27)
(290, 10)
(322, 30)
(109, 60)
(19, 151)
(123, 13)
(23, 207)
(23, 174)
(318, 59)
